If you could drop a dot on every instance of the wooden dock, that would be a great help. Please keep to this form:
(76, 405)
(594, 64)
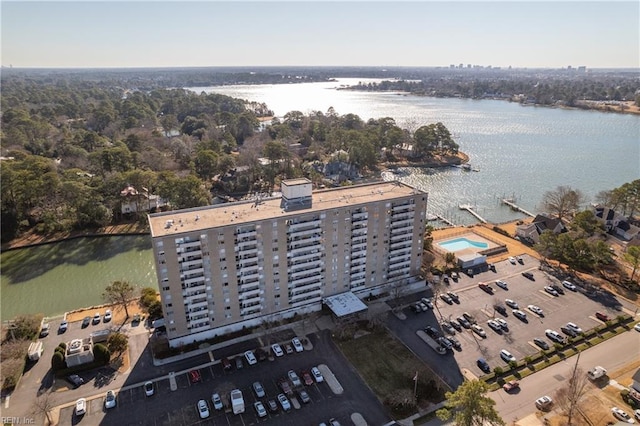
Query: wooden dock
(516, 207)
(445, 220)
(469, 208)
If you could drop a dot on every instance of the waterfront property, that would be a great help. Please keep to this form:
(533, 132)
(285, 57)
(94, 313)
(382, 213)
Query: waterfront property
(221, 268)
(471, 249)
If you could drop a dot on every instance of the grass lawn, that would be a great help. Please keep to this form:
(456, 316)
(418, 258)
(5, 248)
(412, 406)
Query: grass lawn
(388, 368)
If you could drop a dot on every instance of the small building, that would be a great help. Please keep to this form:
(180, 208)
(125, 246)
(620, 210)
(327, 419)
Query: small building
(530, 233)
(79, 351)
(473, 261)
(345, 306)
(615, 223)
(134, 201)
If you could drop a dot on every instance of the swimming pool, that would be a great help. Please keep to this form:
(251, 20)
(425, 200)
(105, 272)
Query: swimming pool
(461, 244)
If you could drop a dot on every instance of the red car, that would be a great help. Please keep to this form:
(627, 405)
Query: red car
(486, 288)
(512, 385)
(194, 376)
(306, 377)
(284, 385)
(602, 316)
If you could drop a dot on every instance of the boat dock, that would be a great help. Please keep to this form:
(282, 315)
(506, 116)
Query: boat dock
(445, 220)
(516, 208)
(469, 208)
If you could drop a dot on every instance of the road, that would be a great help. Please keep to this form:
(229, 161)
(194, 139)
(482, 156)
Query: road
(625, 346)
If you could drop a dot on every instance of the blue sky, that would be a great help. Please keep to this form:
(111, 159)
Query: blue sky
(324, 33)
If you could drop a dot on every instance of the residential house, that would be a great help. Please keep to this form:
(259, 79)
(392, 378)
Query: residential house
(134, 201)
(530, 233)
(616, 224)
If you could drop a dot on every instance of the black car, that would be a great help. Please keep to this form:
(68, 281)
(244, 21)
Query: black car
(432, 332)
(528, 275)
(541, 343)
(75, 380)
(455, 324)
(483, 365)
(568, 331)
(455, 342)
(557, 288)
(86, 321)
(500, 309)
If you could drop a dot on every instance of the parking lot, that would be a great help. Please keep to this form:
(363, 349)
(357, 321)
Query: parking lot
(572, 306)
(168, 407)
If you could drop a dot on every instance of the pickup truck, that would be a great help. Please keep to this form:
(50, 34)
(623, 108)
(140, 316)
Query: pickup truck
(596, 372)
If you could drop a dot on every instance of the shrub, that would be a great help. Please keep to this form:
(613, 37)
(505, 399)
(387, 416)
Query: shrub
(63, 345)
(498, 371)
(57, 361)
(101, 354)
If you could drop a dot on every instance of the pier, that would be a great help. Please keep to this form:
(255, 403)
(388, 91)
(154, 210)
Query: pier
(445, 220)
(516, 208)
(468, 208)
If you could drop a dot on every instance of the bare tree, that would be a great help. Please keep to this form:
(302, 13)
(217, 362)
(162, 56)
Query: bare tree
(562, 201)
(397, 290)
(568, 397)
(43, 406)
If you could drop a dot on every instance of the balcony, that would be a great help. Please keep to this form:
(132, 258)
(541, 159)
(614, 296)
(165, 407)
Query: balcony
(402, 207)
(399, 265)
(306, 271)
(246, 245)
(186, 254)
(240, 235)
(294, 227)
(402, 230)
(358, 247)
(191, 263)
(302, 281)
(248, 287)
(193, 307)
(314, 248)
(401, 223)
(248, 276)
(401, 245)
(193, 282)
(251, 310)
(186, 246)
(307, 300)
(191, 270)
(302, 233)
(198, 321)
(359, 216)
(303, 258)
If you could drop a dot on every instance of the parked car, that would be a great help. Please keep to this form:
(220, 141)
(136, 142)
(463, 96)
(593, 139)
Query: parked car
(63, 327)
(273, 405)
(86, 321)
(455, 276)
(602, 316)
(447, 299)
(569, 285)
(636, 414)
(463, 322)
(96, 318)
(544, 403)
(258, 389)
(453, 296)
(260, 410)
(503, 324)
(417, 307)
(454, 342)
(528, 275)
(478, 330)
(239, 363)
(512, 260)
(304, 396)
(552, 291)
(447, 328)
(110, 399)
(511, 303)
(217, 402)
(520, 260)
(297, 345)
(557, 288)
(568, 331)
(44, 331)
(554, 335)
(500, 309)
(284, 402)
(81, 407)
(621, 415)
(284, 386)
(203, 409)
(541, 343)
(469, 317)
(226, 364)
(483, 365)
(574, 327)
(107, 315)
(317, 375)
(251, 358)
(455, 324)
(445, 343)
(295, 380)
(195, 376)
(507, 356)
(427, 302)
(536, 310)
(75, 380)
(432, 332)
(288, 348)
(502, 284)
(511, 385)
(486, 288)
(149, 389)
(519, 314)
(306, 377)
(637, 327)
(494, 325)
(277, 350)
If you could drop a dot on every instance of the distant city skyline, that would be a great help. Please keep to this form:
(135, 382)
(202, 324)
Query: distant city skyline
(534, 34)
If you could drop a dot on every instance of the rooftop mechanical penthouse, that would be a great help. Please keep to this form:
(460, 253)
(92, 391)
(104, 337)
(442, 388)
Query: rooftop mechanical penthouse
(226, 266)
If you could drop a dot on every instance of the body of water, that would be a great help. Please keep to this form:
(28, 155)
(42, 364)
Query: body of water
(519, 151)
(59, 277)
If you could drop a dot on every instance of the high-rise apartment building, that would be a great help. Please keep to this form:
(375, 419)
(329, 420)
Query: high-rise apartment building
(226, 266)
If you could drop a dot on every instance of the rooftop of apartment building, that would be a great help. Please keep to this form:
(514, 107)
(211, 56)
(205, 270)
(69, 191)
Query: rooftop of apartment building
(188, 220)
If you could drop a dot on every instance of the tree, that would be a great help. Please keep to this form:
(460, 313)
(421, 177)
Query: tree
(44, 405)
(633, 257)
(101, 354)
(57, 361)
(562, 201)
(119, 292)
(117, 343)
(568, 397)
(469, 405)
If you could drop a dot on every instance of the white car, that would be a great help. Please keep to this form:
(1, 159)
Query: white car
(277, 350)
(96, 318)
(507, 356)
(494, 325)
(217, 401)
(519, 314)
(478, 330)
(544, 402)
(295, 380)
(637, 327)
(81, 407)
(110, 399)
(317, 375)
(260, 410)
(636, 414)
(621, 415)
(574, 327)
(63, 327)
(502, 323)
(148, 388)
(251, 358)
(512, 260)
(502, 284)
(570, 286)
(511, 303)
(297, 345)
(554, 335)
(107, 316)
(536, 310)
(552, 291)
(203, 409)
(284, 402)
